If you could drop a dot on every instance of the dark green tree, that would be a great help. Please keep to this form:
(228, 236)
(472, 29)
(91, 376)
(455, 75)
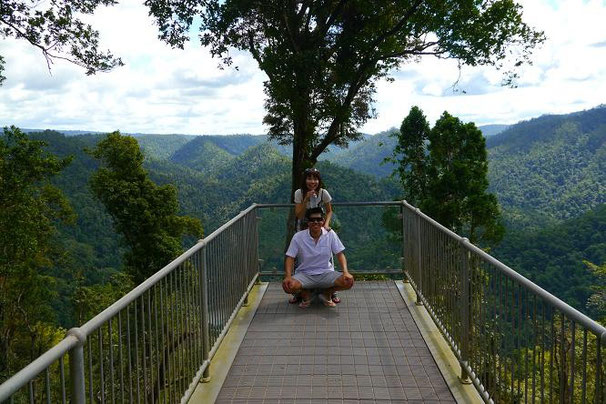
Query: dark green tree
(456, 190)
(30, 209)
(144, 213)
(597, 301)
(55, 29)
(323, 58)
(409, 155)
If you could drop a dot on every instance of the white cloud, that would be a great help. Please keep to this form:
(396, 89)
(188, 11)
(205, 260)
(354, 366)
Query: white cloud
(164, 90)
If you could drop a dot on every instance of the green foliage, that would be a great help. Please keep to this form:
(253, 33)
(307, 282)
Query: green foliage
(549, 169)
(92, 300)
(370, 246)
(457, 182)
(443, 171)
(144, 213)
(374, 154)
(323, 59)
(597, 301)
(410, 155)
(202, 155)
(57, 32)
(162, 146)
(30, 209)
(367, 155)
(553, 257)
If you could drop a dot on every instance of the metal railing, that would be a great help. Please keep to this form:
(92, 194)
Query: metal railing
(515, 341)
(376, 252)
(156, 342)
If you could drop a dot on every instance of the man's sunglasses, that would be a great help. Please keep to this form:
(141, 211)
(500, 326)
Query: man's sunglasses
(315, 219)
(311, 170)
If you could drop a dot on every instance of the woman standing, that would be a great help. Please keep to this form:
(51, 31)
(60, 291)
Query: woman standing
(311, 195)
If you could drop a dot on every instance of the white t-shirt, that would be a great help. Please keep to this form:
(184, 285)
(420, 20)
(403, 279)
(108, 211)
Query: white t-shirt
(314, 258)
(313, 202)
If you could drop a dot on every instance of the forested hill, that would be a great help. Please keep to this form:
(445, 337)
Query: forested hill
(368, 155)
(214, 193)
(545, 171)
(553, 257)
(550, 168)
(163, 147)
(213, 152)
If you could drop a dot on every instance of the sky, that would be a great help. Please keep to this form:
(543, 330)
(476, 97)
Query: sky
(164, 91)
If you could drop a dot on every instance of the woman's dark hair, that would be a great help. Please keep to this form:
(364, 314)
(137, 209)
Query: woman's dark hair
(311, 172)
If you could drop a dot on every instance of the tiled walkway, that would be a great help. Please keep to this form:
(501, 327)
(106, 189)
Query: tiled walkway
(367, 349)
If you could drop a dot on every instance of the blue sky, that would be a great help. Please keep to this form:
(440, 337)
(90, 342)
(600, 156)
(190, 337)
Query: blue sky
(161, 90)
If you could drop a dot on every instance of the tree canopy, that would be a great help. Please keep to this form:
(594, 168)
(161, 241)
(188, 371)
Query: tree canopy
(54, 28)
(409, 154)
(144, 213)
(598, 299)
(30, 209)
(323, 58)
(444, 172)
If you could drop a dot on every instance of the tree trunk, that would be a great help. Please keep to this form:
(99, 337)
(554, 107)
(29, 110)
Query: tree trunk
(303, 130)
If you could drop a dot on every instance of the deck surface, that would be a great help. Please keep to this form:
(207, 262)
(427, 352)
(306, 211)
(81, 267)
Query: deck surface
(367, 349)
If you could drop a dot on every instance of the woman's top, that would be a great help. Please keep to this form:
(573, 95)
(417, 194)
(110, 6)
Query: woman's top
(322, 197)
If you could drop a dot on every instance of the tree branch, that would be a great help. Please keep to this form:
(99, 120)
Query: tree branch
(291, 35)
(398, 26)
(332, 133)
(323, 28)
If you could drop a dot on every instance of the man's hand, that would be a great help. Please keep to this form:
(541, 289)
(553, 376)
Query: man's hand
(288, 284)
(348, 279)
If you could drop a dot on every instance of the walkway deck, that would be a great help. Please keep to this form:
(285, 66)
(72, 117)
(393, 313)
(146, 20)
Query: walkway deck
(367, 349)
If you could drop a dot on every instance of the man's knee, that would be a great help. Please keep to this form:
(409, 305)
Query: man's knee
(344, 283)
(294, 286)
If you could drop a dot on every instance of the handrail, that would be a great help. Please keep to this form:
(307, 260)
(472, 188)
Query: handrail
(112, 310)
(347, 219)
(172, 323)
(147, 325)
(288, 205)
(515, 341)
(29, 372)
(570, 311)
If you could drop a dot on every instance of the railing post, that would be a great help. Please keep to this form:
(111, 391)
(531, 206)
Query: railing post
(205, 316)
(246, 236)
(76, 368)
(403, 253)
(258, 260)
(419, 289)
(465, 311)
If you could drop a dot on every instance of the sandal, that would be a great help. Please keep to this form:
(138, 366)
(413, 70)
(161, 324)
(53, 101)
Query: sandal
(295, 299)
(336, 298)
(327, 302)
(305, 304)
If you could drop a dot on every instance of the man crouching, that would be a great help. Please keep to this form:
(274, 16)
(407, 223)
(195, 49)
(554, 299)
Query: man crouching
(313, 248)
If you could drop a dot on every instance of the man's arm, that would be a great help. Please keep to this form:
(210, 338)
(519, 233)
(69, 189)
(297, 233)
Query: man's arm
(289, 264)
(343, 264)
(288, 283)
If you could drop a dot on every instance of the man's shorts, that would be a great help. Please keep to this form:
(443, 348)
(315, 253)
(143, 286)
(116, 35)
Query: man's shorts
(321, 281)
